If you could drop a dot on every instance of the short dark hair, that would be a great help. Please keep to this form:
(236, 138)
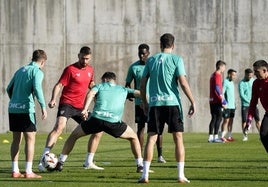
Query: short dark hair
(108, 75)
(38, 55)
(260, 63)
(248, 71)
(167, 40)
(219, 63)
(144, 46)
(231, 71)
(85, 50)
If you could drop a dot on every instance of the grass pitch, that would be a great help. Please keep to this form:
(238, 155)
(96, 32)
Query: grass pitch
(207, 164)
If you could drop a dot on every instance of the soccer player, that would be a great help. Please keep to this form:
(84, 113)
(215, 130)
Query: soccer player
(25, 85)
(229, 111)
(165, 71)
(245, 92)
(259, 92)
(106, 116)
(74, 82)
(216, 101)
(135, 73)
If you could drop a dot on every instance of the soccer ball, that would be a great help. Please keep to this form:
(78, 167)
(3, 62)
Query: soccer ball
(50, 161)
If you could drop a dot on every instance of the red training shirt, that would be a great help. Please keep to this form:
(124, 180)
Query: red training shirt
(214, 97)
(259, 91)
(76, 82)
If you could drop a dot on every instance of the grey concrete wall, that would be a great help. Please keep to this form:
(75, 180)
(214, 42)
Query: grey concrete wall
(205, 30)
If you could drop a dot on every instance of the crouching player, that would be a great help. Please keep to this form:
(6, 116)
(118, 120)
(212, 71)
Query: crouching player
(106, 116)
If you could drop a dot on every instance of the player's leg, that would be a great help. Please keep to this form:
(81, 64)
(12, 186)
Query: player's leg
(180, 156)
(71, 140)
(132, 137)
(148, 156)
(224, 129)
(68, 146)
(244, 111)
(140, 120)
(230, 125)
(179, 146)
(93, 143)
(29, 151)
(212, 123)
(230, 129)
(65, 111)
(52, 138)
(14, 153)
(159, 143)
(56, 132)
(218, 112)
(176, 127)
(264, 132)
(152, 132)
(140, 133)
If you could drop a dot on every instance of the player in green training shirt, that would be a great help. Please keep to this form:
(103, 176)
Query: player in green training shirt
(228, 112)
(24, 87)
(134, 74)
(245, 93)
(165, 71)
(106, 116)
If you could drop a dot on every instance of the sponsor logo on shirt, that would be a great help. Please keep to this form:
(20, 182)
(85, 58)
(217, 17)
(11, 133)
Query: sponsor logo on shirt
(161, 98)
(17, 105)
(77, 74)
(89, 74)
(107, 115)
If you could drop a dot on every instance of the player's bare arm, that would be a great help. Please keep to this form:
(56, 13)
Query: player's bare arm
(187, 91)
(90, 96)
(55, 92)
(143, 94)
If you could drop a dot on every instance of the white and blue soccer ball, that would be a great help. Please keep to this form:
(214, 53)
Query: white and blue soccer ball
(50, 161)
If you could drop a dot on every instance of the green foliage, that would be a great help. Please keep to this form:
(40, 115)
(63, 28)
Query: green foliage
(207, 164)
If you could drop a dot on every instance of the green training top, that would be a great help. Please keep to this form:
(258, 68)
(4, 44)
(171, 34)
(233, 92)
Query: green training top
(229, 93)
(135, 72)
(25, 85)
(245, 91)
(163, 70)
(110, 101)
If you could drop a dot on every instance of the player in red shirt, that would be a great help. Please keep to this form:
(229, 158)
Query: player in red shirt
(259, 92)
(74, 82)
(216, 101)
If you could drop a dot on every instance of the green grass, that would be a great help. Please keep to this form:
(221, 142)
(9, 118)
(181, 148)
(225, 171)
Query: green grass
(207, 164)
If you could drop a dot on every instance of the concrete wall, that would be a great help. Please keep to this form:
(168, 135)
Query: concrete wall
(205, 30)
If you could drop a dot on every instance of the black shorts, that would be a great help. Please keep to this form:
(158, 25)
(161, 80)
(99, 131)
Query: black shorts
(244, 114)
(159, 115)
(215, 109)
(94, 125)
(21, 122)
(228, 113)
(140, 117)
(69, 111)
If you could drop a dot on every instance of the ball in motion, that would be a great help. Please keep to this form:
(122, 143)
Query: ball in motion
(50, 161)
